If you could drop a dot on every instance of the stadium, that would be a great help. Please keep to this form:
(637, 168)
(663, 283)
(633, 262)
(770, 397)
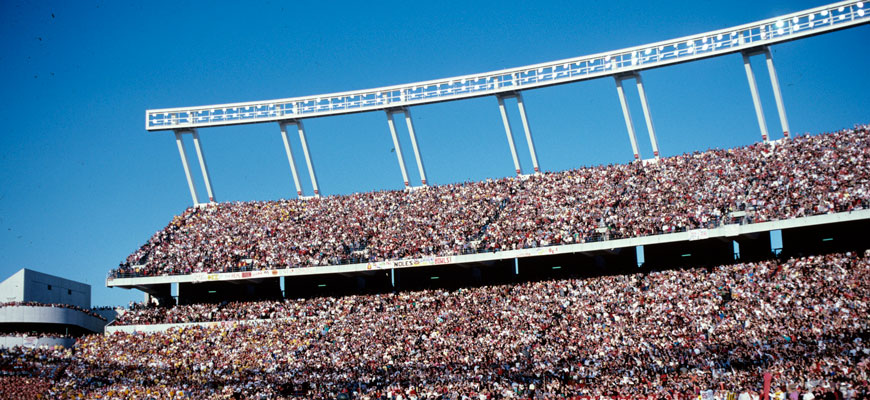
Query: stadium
(738, 273)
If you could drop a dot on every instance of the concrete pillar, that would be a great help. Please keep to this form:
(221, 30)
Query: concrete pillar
(627, 115)
(181, 151)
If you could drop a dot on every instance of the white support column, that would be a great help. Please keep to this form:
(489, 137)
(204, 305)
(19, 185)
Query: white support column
(202, 165)
(410, 125)
(646, 115)
(627, 115)
(397, 147)
(308, 158)
(181, 152)
(525, 121)
(753, 88)
(290, 158)
(510, 136)
(780, 107)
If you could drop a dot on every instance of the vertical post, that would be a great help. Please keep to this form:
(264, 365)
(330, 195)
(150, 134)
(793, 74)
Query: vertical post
(510, 136)
(186, 166)
(625, 113)
(410, 125)
(290, 159)
(753, 88)
(525, 121)
(646, 115)
(393, 277)
(780, 107)
(397, 146)
(308, 158)
(516, 266)
(202, 165)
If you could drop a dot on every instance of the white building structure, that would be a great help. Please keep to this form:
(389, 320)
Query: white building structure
(40, 309)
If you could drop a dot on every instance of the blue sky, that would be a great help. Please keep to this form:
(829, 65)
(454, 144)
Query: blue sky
(82, 184)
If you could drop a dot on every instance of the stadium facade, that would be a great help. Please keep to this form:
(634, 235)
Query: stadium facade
(40, 309)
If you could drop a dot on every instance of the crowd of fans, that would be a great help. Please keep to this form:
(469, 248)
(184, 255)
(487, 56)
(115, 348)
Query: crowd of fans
(792, 178)
(87, 311)
(28, 373)
(667, 334)
(23, 388)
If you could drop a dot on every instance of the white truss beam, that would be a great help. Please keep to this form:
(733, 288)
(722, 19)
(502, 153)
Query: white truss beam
(814, 21)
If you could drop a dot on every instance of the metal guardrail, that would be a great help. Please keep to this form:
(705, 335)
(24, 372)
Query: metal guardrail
(746, 37)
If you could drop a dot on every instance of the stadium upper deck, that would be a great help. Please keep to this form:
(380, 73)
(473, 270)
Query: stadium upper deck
(806, 181)
(721, 194)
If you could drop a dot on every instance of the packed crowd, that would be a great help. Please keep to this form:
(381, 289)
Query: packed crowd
(805, 176)
(22, 388)
(28, 373)
(55, 305)
(660, 334)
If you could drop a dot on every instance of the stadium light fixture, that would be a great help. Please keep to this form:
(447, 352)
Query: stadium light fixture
(840, 15)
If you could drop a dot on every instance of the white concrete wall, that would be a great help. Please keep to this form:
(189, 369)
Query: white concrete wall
(163, 327)
(50, 289)
(12, 341)
(12, 289)
(29, 285)
(50, 315)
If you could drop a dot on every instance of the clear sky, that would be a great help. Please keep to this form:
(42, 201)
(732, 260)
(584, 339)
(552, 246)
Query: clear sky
(82, 184)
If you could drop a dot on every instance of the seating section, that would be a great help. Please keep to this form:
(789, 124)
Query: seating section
(807, 175)
(658, 334)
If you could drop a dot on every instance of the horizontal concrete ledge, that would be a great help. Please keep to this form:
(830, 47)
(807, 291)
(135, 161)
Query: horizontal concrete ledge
(32, 341)
(50, 315)
(152, 328)
(725, 231)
